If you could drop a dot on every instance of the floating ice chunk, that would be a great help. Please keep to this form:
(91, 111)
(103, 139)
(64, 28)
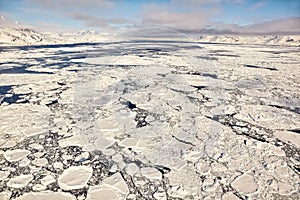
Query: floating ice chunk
(15, 155)
(75, 177)
(151, 173)
(47, 195)
(245, 184)
(47, 180)
(117, 181)
(20, 181)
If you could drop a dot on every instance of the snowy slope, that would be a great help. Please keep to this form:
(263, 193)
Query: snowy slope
(13, 33)
(293, 40)
(26, 36)
(19, 36)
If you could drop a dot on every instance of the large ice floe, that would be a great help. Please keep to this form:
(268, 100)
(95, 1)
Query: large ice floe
(149, 119)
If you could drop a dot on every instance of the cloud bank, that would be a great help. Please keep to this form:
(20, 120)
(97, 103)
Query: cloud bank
(195, 16)
(185, 16)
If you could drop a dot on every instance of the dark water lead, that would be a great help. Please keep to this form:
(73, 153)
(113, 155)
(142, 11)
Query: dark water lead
(204, 74)
(295, 130)
(7, 96)
(130, 105)
(259, 67)
(14, 98)
(5, 89)
(198, 87)
(207, 57)
(21, 70)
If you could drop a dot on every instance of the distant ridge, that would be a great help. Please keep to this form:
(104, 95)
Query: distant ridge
(286, 40)
(288, 26)
(15, 34)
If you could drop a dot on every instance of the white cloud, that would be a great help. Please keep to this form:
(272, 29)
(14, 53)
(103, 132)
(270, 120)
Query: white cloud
(289, 25)
(57, 5)
(91, 13)
(279, 26)
(179, 15)
(194, 16)
(94, 21)
(184, 15)
(258, 5)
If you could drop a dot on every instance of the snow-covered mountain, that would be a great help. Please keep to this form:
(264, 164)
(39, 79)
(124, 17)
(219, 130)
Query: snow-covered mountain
(288, 40)
(84, 36)
(13, 33)
(27, 36)
(20, 36)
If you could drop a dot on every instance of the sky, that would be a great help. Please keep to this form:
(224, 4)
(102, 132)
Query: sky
(182, 15)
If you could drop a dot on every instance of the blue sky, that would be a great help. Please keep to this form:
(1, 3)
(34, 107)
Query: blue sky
(113, 16)
(256, 11)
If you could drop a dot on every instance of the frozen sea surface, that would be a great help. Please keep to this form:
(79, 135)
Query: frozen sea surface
(149, 119)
